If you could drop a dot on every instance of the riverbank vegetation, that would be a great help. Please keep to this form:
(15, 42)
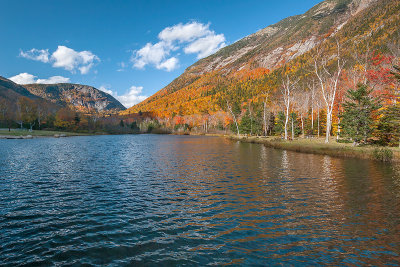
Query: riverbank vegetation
(318, 146)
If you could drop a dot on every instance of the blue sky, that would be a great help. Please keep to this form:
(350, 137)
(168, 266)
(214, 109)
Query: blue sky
(130, 49)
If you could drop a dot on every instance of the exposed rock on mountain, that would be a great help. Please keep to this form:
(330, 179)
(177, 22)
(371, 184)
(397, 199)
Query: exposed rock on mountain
(82, 97)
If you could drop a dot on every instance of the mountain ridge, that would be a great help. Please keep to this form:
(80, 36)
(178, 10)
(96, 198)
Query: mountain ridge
(268, 48)
(82, 97)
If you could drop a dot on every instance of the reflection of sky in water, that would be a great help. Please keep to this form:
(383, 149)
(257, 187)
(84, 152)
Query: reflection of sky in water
(192, 200)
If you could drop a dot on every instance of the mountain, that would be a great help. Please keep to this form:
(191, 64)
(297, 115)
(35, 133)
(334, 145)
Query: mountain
(11, 91)
(82, 97)
(250, 59)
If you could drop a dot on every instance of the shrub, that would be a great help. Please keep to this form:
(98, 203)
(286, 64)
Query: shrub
(383, 154)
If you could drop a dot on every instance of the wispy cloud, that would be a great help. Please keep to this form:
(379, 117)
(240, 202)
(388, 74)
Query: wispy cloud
(36, 54)
(122, 66)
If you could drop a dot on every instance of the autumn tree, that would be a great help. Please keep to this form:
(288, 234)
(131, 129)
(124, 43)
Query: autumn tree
(235, 112)
(65, 118)
(26, 112)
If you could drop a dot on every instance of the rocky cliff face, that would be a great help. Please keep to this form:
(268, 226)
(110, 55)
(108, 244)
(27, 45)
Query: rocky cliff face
(82, 97)
(282, 42)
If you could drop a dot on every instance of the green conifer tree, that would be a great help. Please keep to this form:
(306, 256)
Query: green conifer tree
(356, 120)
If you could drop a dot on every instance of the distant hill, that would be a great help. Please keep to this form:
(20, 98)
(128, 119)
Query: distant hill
(232, 69)
(81, 97)
(11, 91)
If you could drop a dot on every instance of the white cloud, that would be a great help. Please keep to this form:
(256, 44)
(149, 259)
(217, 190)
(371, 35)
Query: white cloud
(36, 54)
(64, 57)
(130, 98)
(206, 46)
(169, 64)
(184, 32)
(106, 90)
(53, 80)
(71, 60)
(26, 78)
(193, 37)
(151, 54)
(23, 78)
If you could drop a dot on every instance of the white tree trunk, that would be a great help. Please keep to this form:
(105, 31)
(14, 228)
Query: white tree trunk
(234, 117)
(292, 128)
(265, 116)
(312, 119)
(328, 125)
(302, 125)
(286, 122)
(318, 123)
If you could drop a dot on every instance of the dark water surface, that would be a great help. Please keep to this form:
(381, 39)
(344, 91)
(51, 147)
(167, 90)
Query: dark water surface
(181, 200)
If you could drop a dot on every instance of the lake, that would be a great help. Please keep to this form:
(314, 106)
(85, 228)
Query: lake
(184, 200)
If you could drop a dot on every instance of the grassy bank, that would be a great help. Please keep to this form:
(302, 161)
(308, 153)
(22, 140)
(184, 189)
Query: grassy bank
(37, 133)
(318, 146)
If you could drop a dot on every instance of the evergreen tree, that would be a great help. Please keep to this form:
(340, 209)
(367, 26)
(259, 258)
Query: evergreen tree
(249, 125)
(77, 119)
(245, 124)
(356, 120)
(294, 126)
(121, 123)
(134, 127)
(280, 123)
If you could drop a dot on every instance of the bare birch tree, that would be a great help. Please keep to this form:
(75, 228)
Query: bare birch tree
(328, 81)
(233, 116)
(313, 100)
(265, 114)
(287, 89)
(302, 104)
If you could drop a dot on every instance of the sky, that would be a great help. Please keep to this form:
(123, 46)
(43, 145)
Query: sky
(129, 49)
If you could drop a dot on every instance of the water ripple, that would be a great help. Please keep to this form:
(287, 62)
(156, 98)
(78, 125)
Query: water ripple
(169, 200)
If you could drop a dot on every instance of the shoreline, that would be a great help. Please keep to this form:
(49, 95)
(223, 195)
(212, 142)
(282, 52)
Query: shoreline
(317, 146)
(309, 146)
(18, 134)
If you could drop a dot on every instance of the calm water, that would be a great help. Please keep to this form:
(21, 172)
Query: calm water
(181, 200)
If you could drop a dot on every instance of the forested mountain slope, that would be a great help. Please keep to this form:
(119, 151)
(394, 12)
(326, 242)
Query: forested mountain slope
(11, 91)
(250, 67)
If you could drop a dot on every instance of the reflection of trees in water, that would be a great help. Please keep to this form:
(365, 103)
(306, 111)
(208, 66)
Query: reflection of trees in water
(224, 191)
